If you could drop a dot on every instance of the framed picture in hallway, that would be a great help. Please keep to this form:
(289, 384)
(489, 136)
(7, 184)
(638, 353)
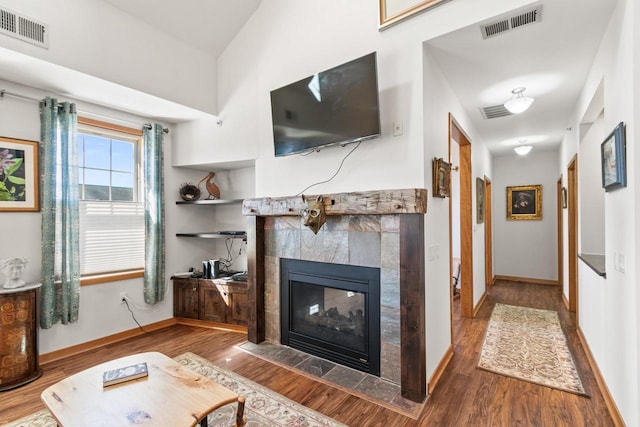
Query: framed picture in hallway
(524, 202)
(613, 159)
(479, 200)
(19, 175)
(441, 178)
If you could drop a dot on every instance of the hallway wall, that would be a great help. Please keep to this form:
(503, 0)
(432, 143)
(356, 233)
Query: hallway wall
(608, 307)
(526, 248)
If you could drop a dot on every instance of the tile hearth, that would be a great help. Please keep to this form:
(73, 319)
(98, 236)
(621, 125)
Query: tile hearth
(353, 380)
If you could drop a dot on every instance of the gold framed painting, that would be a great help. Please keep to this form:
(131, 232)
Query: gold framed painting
(394, 11)
(441, 178)
(19, 175)
(479, 200)
(524, 202)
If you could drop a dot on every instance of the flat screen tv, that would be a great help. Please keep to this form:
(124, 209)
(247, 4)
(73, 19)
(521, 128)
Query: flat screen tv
(336, 106)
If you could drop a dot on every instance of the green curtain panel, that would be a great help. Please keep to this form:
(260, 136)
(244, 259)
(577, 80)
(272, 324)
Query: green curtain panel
(60, 292)
(154, 268)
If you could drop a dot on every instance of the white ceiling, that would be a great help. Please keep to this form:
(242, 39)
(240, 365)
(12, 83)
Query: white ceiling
(550, 58)
(208, 25)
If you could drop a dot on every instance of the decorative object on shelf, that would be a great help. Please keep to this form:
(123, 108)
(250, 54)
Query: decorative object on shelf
(19, 175)
(394, 11)
(479, 200)
(441, 178)
(189, 192)
(212, 188)
(614, 159)
(12, 269)
(524, 202)
(313, 216)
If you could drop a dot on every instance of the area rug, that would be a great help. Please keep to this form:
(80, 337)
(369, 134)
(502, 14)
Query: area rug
(263, 407)
(528, 344)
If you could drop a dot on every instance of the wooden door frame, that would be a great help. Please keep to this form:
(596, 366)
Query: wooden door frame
(560, 220)
(457, 137)
(488, 232)
(572, 256)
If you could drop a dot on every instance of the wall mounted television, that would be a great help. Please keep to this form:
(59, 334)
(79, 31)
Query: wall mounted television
(336, 106)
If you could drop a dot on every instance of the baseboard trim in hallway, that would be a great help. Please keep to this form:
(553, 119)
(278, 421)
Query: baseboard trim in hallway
(527, 280)
(602, 385)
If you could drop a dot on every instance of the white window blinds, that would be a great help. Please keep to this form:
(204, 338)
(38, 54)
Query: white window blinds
(111, 236)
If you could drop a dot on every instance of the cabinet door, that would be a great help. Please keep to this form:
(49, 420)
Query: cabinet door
(239, 309)
(214, 300)
(185, 298)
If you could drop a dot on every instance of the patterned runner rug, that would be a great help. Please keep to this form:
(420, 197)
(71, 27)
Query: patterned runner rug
(528, 344)
(263, 407)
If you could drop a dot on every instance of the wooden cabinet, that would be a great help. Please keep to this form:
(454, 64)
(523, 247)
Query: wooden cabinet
(212, 300)
(19, 336)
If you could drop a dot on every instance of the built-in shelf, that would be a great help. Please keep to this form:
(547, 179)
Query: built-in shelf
(595, 262)
(210, 202)
(213, 235)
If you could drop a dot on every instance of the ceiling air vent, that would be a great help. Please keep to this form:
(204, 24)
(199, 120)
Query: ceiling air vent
(24, 28)
(510, 23)
(495, 111)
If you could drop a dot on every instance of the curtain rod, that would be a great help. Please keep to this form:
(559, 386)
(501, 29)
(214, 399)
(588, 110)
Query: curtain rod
(4, 93)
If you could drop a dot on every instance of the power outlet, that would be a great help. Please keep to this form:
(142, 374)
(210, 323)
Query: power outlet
(123, 297)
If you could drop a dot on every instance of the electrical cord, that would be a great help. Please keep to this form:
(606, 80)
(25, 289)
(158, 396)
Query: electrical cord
(126, 302)
(336, 173)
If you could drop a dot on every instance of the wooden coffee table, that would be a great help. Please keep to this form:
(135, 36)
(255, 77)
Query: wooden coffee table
(171, 395)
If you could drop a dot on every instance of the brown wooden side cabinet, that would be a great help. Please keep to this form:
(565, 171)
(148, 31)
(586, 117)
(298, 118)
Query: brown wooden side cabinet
(19, 336)
(212, 300)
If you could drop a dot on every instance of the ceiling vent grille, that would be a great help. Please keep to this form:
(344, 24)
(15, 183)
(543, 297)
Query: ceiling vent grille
(24, 28)
(495, 111)
(521, 19)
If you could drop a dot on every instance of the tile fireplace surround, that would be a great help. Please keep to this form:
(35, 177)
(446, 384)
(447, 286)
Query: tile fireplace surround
(382, 229)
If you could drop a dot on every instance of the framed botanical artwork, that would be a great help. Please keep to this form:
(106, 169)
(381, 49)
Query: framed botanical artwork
(479, 200)
(394, 11)
(524, 202)
(614, 159)
(564, 198)
(441, 178)
(19, 175)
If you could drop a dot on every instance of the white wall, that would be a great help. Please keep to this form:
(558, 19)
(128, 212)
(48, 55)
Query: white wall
(439, 101)
(95, 38)
(608, 308)
(591, 191)
(526, 248)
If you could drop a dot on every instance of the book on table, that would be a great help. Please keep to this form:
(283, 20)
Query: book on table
(127, 373)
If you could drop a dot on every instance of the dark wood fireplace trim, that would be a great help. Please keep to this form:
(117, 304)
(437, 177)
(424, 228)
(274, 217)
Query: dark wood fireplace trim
(412, 205)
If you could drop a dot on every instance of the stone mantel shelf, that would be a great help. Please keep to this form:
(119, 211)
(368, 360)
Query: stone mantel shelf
(381, 202)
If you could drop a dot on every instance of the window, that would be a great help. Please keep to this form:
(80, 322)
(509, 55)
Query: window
(111, 209)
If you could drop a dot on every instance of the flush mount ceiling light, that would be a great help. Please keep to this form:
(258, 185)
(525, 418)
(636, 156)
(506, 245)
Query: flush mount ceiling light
(523, 150)
(518, 102)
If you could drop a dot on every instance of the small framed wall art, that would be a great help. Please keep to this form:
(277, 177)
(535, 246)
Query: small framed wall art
(479, 200)
(441, 178)
(19, 175)
(524, 202)
(614, 159)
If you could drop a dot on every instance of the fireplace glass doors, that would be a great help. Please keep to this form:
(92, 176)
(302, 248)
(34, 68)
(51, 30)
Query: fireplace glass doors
(332, 311)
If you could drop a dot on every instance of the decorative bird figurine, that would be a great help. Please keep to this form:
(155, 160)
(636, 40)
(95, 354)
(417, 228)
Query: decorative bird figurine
(212, 188)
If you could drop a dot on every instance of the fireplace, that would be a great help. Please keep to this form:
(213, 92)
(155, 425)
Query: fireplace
(332, 311)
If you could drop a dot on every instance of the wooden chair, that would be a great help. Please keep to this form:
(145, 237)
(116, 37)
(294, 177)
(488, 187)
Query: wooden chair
(240, 419)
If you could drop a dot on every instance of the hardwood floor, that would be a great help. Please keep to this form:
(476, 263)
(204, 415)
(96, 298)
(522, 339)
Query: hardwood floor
(465, 396)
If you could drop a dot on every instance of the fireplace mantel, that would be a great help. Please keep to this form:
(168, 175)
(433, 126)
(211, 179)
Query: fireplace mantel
(409, 205)
(383, 202)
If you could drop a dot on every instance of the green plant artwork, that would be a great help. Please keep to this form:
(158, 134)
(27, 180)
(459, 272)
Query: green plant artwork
(12, 175)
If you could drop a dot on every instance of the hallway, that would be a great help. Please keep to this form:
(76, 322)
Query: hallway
(467, 396)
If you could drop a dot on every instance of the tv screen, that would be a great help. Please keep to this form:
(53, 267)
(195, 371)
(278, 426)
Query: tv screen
(337, 106)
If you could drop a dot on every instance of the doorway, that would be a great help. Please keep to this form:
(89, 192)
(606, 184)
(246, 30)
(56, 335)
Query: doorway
(458, 140)
(572, 256)
(488, 232)
(560, 203)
